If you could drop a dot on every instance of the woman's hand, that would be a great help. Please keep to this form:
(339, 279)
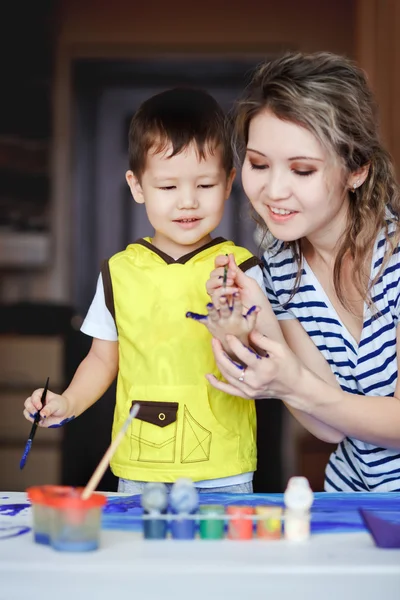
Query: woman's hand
(278, 374)
(235, 282)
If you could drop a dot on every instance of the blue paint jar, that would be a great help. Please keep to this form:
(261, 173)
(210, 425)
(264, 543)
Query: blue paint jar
(183, 528)
(154, 527)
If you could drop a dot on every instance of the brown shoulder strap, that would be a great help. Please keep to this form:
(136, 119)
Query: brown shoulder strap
(108, 289)
(253, 261)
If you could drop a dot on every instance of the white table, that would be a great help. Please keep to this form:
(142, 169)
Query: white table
(334, 566)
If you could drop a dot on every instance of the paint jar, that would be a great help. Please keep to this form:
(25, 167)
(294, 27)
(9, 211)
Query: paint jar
(183, 500)
(269, 526)
(240, 524)
(75, 524)
(154, 501)
(183, 526)
(212, 522)
(42, 511)
(154, 525)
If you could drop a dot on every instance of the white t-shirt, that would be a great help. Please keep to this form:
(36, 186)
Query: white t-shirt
(100, 324)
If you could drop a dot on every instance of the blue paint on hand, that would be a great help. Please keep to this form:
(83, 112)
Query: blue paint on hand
(61, 423)
(252, 351)
(238, 365)
(251, 310)
(195, 316)
(25, 454)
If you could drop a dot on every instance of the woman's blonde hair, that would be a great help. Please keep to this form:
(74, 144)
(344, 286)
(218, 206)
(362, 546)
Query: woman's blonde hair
(329, 95)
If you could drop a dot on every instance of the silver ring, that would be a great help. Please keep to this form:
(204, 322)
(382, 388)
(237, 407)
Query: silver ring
(241, 378)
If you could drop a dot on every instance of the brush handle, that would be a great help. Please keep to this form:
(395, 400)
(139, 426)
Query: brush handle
(225, 277)
(37, 416)
(33, 430)
(105, 461)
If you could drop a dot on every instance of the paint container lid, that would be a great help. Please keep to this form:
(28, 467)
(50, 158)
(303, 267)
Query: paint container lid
(74, 500)
(40, 494)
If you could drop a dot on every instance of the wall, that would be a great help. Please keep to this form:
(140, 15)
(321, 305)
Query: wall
(124, 29)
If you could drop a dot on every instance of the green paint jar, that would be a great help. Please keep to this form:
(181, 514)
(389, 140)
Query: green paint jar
(212, 528)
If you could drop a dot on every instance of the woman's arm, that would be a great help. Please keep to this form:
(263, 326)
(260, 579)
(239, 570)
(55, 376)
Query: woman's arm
(301, 344)
(375, 420)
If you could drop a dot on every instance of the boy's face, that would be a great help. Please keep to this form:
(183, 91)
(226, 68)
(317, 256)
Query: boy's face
(184, 197)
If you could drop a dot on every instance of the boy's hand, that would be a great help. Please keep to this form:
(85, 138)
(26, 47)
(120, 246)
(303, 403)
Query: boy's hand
(55, 412)
(228, 319)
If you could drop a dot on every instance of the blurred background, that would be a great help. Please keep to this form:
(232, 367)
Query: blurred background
(72, 74)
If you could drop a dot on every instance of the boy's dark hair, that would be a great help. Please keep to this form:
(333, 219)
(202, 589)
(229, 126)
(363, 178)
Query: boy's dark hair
(179, 117)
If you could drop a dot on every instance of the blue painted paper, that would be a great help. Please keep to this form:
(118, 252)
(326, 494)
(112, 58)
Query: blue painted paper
(330, 513)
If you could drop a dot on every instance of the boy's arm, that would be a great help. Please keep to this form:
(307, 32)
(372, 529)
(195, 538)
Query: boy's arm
(92, 378)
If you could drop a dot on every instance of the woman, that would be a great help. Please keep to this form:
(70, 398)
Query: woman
(325, 193)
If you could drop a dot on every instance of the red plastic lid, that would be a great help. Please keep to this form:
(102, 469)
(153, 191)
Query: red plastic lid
(35, 494)
(39, 494)
(61, 496)
(73, 499)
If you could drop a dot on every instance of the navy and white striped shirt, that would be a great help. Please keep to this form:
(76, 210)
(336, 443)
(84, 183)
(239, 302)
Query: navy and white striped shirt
(368, 368)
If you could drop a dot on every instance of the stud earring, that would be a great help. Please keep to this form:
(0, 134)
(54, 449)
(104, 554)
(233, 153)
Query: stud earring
(355, 185)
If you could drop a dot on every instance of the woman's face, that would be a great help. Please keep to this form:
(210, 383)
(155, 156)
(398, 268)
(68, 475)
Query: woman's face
(287, 180)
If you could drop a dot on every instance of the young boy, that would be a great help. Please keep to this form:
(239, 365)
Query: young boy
(181, 169)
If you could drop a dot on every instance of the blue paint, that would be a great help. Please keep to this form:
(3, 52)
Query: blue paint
(195, 316)
(83, 546)
(13, 531)
(42, 538)
(251, 310)
(25, 454)
(61, 423)
(234, 362)
(211, 305)
(11, 510)
(251, 351)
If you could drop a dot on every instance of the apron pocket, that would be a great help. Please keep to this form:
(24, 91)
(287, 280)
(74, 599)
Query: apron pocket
(153, 432)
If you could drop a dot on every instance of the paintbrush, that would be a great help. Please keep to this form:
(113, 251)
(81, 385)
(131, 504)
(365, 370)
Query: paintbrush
(34, 427)
(105, 461)
(225, 277)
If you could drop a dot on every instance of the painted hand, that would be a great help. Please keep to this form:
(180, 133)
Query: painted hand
(228, 319)
(54, 414)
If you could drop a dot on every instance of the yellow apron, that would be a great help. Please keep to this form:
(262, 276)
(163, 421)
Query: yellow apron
(185, 428)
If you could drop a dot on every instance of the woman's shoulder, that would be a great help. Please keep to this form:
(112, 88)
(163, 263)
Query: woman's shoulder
(278, 255)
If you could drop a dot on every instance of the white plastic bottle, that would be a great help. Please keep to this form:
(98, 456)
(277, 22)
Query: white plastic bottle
(298, 498)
